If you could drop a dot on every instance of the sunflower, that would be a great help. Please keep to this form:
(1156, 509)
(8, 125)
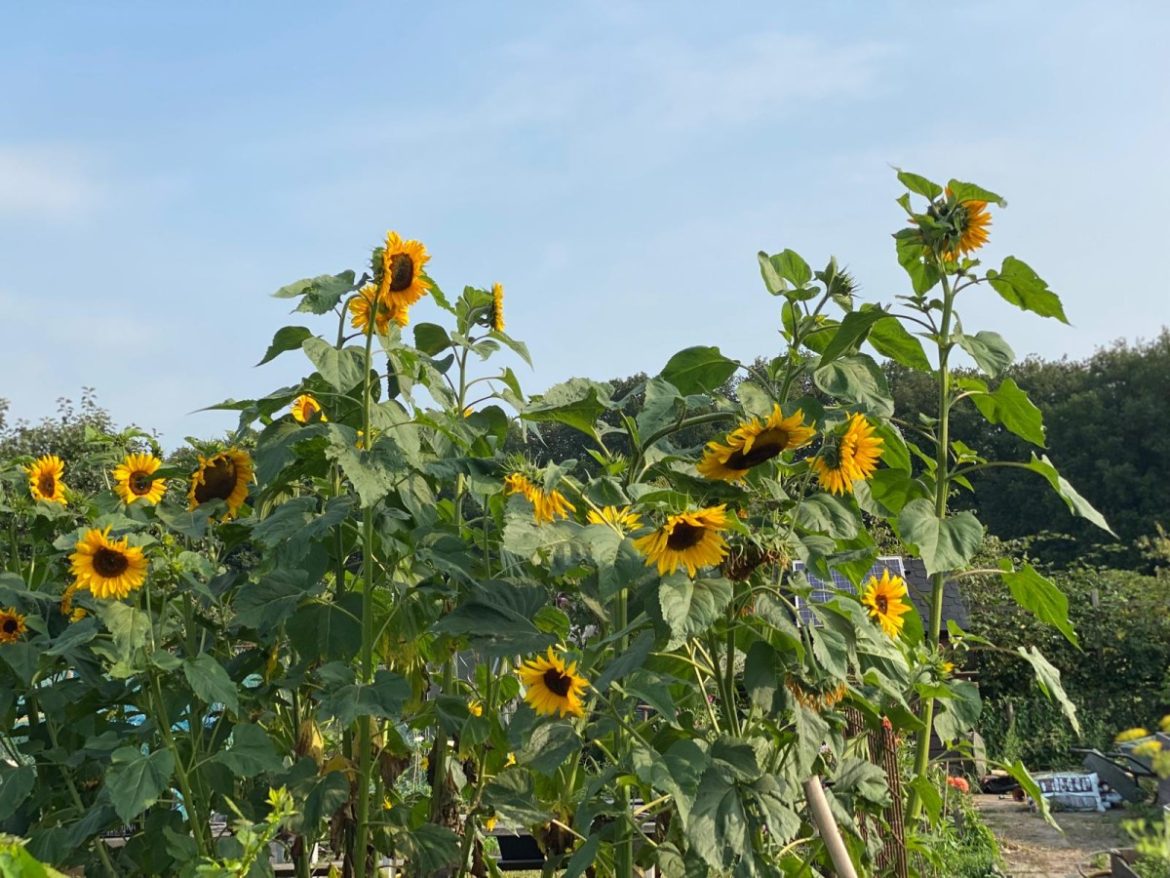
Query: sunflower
(553, 687)
(970, 219)
(134, 482)
(818, 697)
(690, 539)
(754, 443)
(621, 520)
(402, 282)
(108, 568)
(44, 479)
(223, 476)
(306, 409)
(1133, 734)
(361, 305)
(852, 457)
(75, 614)
(547, 506)
(498, 307)
(12, 625)
(885, 599)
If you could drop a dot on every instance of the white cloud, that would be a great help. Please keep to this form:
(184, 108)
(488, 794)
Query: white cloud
(46, 183)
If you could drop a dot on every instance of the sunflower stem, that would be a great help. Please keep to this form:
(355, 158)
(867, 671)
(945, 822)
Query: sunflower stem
(941, 486)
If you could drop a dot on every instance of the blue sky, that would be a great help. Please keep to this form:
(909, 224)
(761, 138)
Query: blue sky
(164, 167)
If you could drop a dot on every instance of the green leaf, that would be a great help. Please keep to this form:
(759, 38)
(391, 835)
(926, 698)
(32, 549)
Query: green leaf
(384, 697)
(211, 682)
(717, 830)
(920, 185)
(549, 746)
(959, 713)
(285, 521)
(928, 794)
(763, 677)
(1077, 504)
(318, 294)
(863, 779)
(851, 332)
(1018, 284)
(287, 338)
(498, 620)
(1010, 406)
(577, 403)
(1048, 679)
(430, 849)
(989, 351)
(128, 625)
(191, 523)
(273, 599)
(944, 545)
(511, 796)
(857, 379)
(663, 405)
(961, 191)
(582, 858)
(343, 369)
(330, 630)
(430, 338)
(135, 781)
(790, 266)
(690, 607)
(1040, 597)
(923, 275)
(772, 279)
(16, 782)
(894, 488)
(327, 795)
(698, 370)
(373, 472)
(824, 513)
(891, 339)
(1028, 784)
(250, 753)
(626, 661)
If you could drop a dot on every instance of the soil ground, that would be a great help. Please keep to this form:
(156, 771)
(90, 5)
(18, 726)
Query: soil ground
(1031, 848)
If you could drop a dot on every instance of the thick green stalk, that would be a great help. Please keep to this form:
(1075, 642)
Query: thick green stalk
(941, 486)
(365, 738)
(623, 857)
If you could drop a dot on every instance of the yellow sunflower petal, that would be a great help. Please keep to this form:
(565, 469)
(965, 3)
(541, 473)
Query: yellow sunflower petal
(44, 479)
(133, 479)
(109, 569)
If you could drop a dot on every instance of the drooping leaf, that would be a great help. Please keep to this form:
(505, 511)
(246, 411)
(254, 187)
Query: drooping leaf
(16, 782)
(1077, 504)
(717, 829)
(920, 185)
(1048, 679)
(690, 607)
(824, 513)
(318, 294)
(250, 753)
(577, 403)
(959, 713)
(891, 339)
(384, 697)
(1019, 284)
(1010, 406)
(857, 379)
(850, 334)
(989, 351)
(1040, 597)
(343, 369)
(430, 338)
(271, 600)
(287, 338)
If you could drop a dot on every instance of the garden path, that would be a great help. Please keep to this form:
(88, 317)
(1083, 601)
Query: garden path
(1033, 849)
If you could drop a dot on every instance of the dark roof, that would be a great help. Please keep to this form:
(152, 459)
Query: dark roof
(918, 585)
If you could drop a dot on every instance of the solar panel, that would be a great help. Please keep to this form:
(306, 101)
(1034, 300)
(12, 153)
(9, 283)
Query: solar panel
(823, 592)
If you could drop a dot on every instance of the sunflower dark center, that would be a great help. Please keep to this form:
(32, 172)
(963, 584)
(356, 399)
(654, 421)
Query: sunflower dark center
(219, 480)
(47, 484)
(140, 483)
(766, 446)
(882, 603)
(683, 536)
(401, 272)
(557, 683)
(110, 562)
(9, 625)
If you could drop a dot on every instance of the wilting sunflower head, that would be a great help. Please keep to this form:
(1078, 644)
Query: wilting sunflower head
(109, 569)
(753, 443)
(553, 687)
(621, 520)
(12, 625)
(690, 539)
(817, 697)
(548, 506)
(134, 479)
(850, 457)
(518, 483)
(44, 479)
(498, 307)
(224, 476)
(401, 279)
(885, 599)
(306, 409)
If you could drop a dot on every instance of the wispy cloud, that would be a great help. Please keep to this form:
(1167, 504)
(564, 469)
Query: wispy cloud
(45, 183)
